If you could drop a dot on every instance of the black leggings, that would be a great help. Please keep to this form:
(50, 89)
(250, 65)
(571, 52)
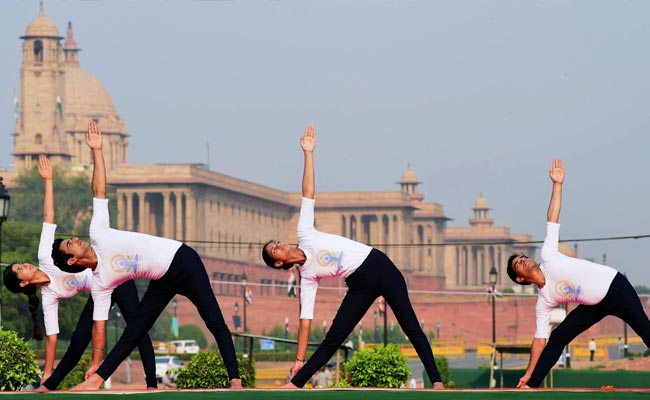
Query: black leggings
(621, 301)
(376, 276)
(126, 297)
(186, 276)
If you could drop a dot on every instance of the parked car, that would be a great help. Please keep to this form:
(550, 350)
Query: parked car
(165, 363)
(184, 346)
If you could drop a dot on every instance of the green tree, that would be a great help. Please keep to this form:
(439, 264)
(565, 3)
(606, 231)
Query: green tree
(191, 331)
(21, 234)
(72, 201)
(162, 328)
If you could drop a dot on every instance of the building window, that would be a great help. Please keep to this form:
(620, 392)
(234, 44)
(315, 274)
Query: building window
(38, 139)
(38, 51)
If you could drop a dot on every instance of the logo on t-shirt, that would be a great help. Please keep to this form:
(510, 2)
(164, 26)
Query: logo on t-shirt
(329, 258)
(76, 282)
(122, 263)
(570, 290)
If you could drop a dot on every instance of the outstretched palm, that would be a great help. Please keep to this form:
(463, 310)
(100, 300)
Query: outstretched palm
(307, 141)
(94, 136)
(557, 171)
(44, 167)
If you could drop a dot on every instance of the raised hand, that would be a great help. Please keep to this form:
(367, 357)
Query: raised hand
(44, 167)
(94, 136)
(557, 171)
(307, 141)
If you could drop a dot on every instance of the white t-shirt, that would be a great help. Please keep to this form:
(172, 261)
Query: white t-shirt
(62, 284)
(327, 256)
(122, 256)
(568, 279)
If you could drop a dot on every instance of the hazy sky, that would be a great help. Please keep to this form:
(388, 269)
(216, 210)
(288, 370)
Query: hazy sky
(477, 96)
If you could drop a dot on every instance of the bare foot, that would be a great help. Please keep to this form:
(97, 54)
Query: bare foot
(93, 383)
(289, 386)
(524, 386)
(236, 384)
(42, 389)
(438, 386)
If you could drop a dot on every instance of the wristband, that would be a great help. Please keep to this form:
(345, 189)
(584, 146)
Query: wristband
(297, 359)
(98, 350)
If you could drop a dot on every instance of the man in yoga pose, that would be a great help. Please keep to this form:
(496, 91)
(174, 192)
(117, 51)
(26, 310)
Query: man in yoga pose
(368, 273)
(117, 256)
(599, 289)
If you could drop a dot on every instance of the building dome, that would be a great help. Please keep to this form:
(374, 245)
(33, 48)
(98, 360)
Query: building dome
(87, 98)
(42, 26)
(409, 176)
(481, 203)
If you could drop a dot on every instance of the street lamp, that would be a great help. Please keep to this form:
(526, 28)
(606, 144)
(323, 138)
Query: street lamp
(4, 212)
(375, 315)
(175, 320)
(118, 314)
(244, 283)
(493, 281)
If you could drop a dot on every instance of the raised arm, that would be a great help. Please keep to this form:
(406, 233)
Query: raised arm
(557, 177)
(94, 141)
(45, 170)
(307, 142)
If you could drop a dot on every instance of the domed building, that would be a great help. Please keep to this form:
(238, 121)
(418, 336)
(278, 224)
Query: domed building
(58, 98)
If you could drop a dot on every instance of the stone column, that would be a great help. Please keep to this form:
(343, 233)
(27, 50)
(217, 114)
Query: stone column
(129, 211)
(142, 216)
(179, 216)
(168, 221)
(190, 216)
(121, 211)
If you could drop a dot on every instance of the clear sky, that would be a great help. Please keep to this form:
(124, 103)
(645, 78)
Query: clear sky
(477, 96)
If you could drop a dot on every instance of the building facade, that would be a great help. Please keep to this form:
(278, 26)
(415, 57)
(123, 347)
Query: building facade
(229, 219)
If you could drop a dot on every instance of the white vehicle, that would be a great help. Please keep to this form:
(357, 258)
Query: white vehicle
(184, 346)
(165, 363)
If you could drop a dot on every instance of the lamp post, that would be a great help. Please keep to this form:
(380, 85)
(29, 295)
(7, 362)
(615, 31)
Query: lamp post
(244, 283)
(175, 320)
(118, 314)
(625, 351)
(375, 315)
(493, 281)
(4, 212)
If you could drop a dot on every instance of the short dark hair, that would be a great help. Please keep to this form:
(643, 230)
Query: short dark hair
(61, 259)
(511, 271)
(268, 260)
(11, 281)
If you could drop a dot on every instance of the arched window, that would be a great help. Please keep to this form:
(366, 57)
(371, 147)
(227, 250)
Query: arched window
(38, 51)
(38, 139)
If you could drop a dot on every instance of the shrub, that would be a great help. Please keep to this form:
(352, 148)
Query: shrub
(17, 365)
(646, 353)
(76, 376)
(191, 331)
(383, 367)
(207, 371)
(443, 370)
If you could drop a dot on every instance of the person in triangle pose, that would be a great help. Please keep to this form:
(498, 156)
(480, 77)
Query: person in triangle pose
(368, 273)
(600, 290)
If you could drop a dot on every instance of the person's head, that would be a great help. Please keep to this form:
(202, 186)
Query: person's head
(17, 278)
(66, 252)
(275, 254)
(518, 267)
